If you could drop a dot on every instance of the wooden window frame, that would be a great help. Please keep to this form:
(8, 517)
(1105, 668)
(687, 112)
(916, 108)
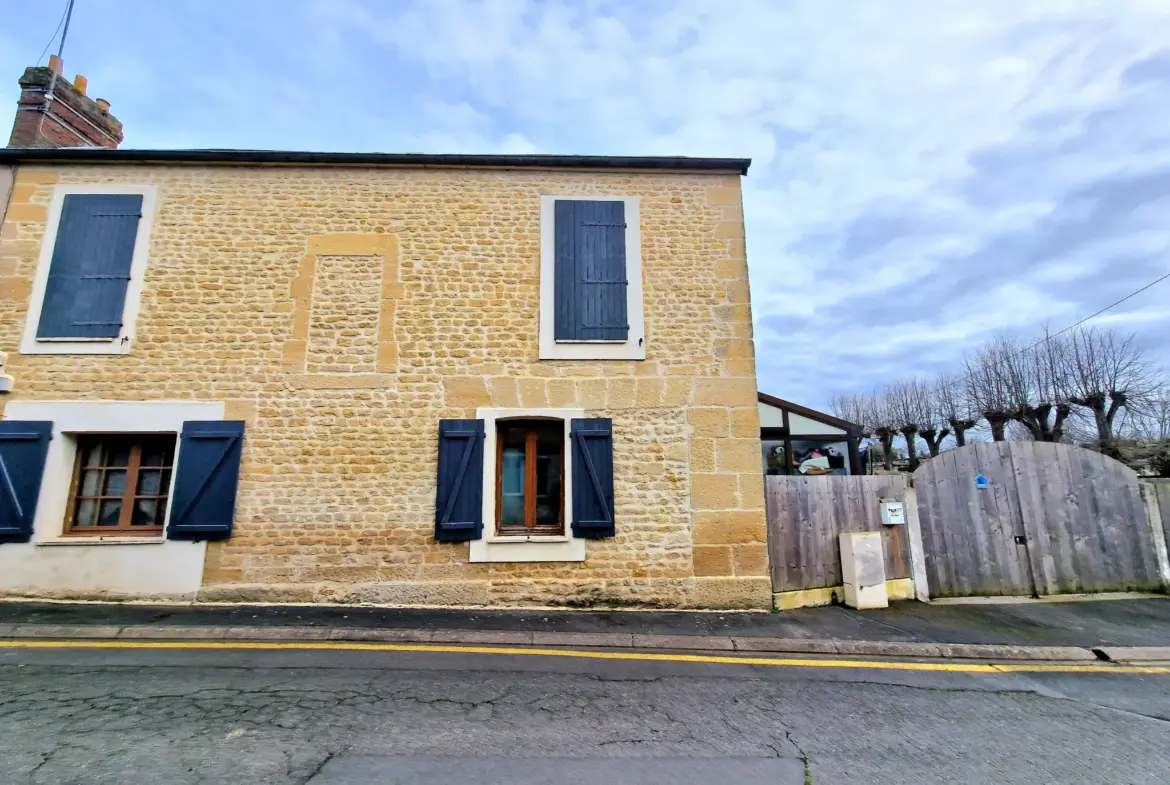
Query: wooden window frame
(530, 528)
(129, 497)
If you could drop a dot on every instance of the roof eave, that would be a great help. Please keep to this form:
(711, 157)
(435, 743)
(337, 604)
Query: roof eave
(290, 157)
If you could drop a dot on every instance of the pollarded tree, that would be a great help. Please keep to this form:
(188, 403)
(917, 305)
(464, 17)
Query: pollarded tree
(987, 389)
(954, 406)
(911, 407)
(1009, 382)
(1105, 373)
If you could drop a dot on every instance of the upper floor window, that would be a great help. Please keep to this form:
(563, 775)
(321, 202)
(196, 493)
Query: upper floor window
(89, 275)
(591, 279)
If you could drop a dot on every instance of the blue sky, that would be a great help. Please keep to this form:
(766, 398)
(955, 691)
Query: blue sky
(926, 172)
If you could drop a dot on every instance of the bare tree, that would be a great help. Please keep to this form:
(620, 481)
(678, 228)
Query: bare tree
(883, 424)
(1044, 404)
(987, 388)
(1106, 372)
(875, 416)
(1142, 434)
(855, 409)
(910, 402)
(1156, 413)
(1026, 384)
(955, 407)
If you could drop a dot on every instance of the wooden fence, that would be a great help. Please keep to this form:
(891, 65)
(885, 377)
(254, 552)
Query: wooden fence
(805, 515)
(1051, 519)
(1160, 491)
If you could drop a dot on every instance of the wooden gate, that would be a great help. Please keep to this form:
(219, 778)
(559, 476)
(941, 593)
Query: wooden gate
(1051, 519)
(805, 515)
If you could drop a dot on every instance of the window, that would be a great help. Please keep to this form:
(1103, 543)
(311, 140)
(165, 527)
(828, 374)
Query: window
(805, 456)
(121, 484)
(530, 477)
(89, 274)
(591, 279)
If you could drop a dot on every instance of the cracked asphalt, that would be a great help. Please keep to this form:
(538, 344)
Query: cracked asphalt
(346, 717)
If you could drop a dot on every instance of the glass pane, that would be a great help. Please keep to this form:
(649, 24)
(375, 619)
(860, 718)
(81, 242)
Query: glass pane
(91, 482)
(94, 454)
(144, 513)
(111, 511)
(118, 453)
(160, 516)
(157, 452)
(84, 515)
(775, 460)
(149, 482)
(512, 486)
(548, 474)
(817, 457)
(115, 484)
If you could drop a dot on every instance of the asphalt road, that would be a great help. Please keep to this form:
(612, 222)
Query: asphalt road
(179, 717)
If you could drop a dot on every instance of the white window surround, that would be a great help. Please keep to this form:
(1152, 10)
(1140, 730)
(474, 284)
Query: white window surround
(74, 417)
(138, 263)
(494, 548)
(119, 567)
(634, 347)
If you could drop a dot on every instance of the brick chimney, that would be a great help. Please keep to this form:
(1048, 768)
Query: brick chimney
(70, 119)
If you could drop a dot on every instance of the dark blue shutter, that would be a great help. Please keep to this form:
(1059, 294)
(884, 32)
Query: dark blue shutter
(590, 271)
(459, 500)
(23, 448)
(593, 477)
(86, 289)
(203, 502)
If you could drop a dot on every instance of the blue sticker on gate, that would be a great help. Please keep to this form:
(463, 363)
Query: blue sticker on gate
(981, 481)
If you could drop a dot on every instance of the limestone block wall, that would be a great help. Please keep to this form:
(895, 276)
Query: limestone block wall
(343, 311)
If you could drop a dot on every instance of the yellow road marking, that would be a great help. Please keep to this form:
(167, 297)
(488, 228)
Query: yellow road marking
(784, 662)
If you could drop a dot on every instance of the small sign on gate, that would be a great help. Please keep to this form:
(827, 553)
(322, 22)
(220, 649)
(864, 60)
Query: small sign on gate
(981, 481)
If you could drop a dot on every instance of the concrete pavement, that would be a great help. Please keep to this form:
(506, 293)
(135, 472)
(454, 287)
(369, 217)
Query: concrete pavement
(1120, 630)
(282, 717)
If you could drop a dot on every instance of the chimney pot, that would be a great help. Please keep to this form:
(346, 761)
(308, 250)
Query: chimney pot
(80, 83)
(56, 65)
(103, 104)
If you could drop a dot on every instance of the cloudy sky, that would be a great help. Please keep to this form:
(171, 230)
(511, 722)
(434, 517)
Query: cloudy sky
(926, 172)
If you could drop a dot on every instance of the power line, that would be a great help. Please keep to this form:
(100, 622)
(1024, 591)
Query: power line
(1103, 310)
(1072, 326)
(53, 79)
(60, 22)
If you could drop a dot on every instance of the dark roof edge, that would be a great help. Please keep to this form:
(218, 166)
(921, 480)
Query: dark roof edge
(102, 155)
(804, 411)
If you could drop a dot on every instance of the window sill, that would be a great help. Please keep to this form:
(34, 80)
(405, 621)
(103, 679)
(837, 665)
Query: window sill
(87, 540)
(592, 350)
(601, 342)
(521, 538)
(533, 549)
(77, 346)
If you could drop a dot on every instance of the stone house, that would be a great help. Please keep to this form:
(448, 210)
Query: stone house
(403, 379)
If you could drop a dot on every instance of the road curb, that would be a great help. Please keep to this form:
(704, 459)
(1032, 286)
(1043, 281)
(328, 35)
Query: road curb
(964, 651)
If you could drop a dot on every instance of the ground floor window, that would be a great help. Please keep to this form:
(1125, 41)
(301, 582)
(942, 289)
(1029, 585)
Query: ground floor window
(806, 456)
(120, 484)
(530, 477)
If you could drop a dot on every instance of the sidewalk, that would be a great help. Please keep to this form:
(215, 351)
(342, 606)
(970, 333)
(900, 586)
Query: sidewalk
(1133, 629)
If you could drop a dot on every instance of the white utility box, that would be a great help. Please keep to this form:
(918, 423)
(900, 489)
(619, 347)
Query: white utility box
(863, 568)
(893, 512)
